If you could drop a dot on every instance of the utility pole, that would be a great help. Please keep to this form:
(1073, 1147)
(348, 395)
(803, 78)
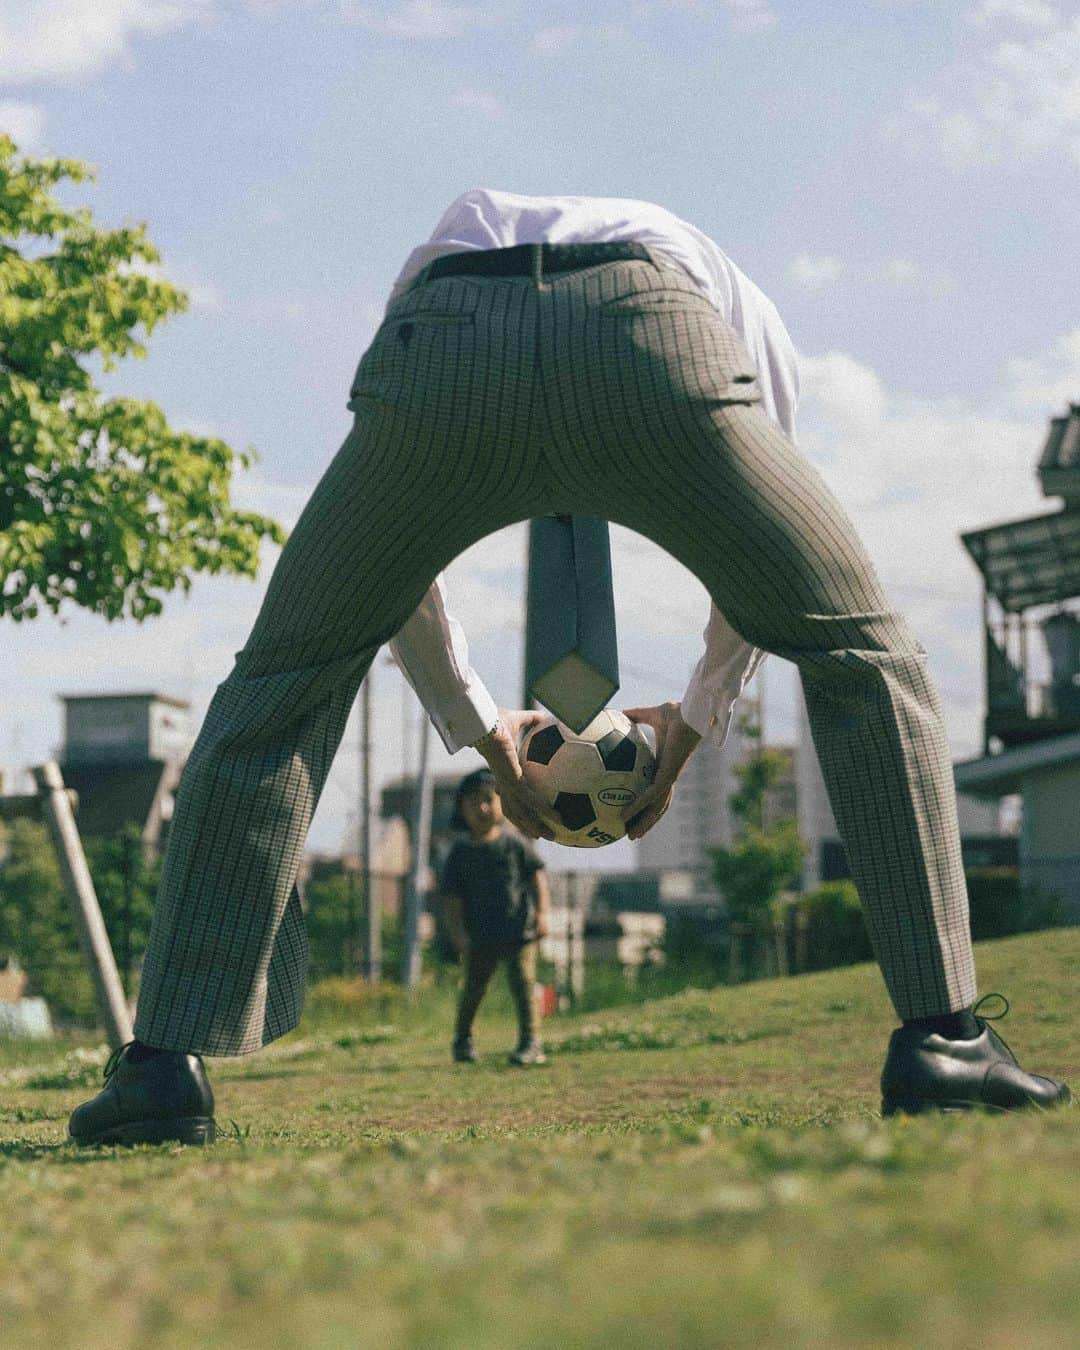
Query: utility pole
(421, 847)
(352, 924)
(55, 806)
(127, 845)
(373, 963)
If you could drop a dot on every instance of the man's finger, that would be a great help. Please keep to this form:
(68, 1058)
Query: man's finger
(638, 805)
(650, 716)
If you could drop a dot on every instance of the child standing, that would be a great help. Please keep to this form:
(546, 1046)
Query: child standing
(496, 901)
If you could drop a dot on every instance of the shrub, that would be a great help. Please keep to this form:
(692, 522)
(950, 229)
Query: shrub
(1000, 906)
(835, 929)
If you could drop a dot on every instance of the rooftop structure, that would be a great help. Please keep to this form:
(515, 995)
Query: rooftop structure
(1031, 605)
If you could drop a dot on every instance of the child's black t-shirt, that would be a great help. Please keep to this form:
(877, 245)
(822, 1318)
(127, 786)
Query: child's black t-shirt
(492, 879)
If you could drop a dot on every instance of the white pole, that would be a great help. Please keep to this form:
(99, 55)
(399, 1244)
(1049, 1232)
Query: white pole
(93, 939)
(421, 846)
(373, 963)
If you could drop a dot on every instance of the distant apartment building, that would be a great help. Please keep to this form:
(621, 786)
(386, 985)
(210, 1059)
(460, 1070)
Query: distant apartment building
(123, 754)
(700, 817)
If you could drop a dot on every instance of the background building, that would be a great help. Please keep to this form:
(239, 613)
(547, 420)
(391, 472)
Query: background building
(700, 816)
(123, 754)
(1031, 621)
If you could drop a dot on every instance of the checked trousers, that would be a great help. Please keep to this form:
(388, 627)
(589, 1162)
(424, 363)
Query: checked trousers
(610, 388)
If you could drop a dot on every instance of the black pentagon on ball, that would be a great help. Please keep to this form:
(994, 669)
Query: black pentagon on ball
(543, 745)
(618, 752)
(574, 809)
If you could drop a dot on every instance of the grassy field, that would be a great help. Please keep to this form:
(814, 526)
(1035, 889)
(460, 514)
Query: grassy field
(706, 1170)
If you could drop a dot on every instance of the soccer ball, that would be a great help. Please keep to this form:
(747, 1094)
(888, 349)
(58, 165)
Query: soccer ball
(589, 777)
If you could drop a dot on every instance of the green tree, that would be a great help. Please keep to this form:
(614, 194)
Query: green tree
(101, 502)
(336, 924)
(126, 881)
(765, 858)
(333, 926)
(36, 924)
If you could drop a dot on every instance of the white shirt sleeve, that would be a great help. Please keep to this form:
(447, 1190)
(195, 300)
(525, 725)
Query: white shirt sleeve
(719, 678)
(431, 652)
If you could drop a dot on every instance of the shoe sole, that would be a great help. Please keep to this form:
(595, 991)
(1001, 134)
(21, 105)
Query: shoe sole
(952, 1108)
(196, 1130)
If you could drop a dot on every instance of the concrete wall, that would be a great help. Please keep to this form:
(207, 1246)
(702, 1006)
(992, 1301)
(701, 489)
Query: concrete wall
(171, 734)
(1050, 839)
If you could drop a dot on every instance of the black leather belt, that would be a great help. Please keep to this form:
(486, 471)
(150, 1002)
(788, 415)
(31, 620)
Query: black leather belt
(523, 260)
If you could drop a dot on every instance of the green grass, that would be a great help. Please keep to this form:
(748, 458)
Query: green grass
(705, 1170)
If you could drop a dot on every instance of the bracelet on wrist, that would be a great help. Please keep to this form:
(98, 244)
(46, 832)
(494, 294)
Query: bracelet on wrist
(486, 739)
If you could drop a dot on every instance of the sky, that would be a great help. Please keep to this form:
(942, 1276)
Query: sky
(899, 176)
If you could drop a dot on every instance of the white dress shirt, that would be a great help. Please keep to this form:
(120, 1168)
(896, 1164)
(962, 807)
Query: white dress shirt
(431, 649)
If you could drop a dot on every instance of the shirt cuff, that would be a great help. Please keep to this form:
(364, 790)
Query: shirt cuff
(707, 714)
(465, 718)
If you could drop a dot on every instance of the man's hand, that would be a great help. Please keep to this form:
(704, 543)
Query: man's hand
(521, 805)
(675, 743)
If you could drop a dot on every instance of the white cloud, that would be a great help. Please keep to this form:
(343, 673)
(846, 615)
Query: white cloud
(898, 271)
(24, 123)
(815, 272)
(1018, 96)
(56, 39)
(1034, 13)
(901, 271)
(556, 38)
(477, 100)
(850, 394)
(291, 308)
(818, 272)
(1049, 381)
(415, 18)
(750, 15)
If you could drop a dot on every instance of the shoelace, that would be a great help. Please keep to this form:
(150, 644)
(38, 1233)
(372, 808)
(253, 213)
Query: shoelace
(994, 1017)
(113, 1062)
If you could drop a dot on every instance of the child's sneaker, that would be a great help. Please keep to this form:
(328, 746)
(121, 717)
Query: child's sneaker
(464, 1052)
(530, 1052)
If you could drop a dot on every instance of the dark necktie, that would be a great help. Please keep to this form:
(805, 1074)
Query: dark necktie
(571, 654)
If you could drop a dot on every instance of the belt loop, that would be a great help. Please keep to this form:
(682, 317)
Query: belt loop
(538, 264)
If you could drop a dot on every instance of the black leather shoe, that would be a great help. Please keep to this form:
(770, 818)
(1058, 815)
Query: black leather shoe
(927, 1072)
(165, 1098)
